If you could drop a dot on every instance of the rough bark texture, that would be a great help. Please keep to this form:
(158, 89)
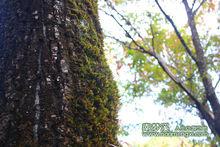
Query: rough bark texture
(55, 86)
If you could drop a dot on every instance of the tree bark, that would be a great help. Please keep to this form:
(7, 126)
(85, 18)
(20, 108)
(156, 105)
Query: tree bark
(202, 68)
(55, 86)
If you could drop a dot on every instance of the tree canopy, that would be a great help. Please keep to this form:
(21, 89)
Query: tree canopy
(183, 60)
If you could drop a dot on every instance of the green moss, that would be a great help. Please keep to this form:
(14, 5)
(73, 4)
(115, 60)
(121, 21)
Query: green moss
(95, 102)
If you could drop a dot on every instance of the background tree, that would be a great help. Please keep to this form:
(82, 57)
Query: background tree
(55, 86)
(178, 61)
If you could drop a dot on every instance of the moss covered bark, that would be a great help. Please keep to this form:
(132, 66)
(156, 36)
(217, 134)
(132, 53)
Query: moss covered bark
(55, 86)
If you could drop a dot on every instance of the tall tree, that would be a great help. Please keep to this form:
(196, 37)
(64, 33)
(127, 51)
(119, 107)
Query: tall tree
(179, 60)
(56, 88)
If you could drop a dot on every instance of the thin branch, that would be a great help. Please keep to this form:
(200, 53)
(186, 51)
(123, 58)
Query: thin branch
(124, 43)
(116, 39)
(125, 19)
(217, 82)
(177, 32)
(153, 37)
(141, 48)
(153, 46)
(195, 11)
(194, 1)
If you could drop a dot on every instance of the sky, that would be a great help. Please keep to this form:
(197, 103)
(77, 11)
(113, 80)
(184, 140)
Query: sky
(144, 109)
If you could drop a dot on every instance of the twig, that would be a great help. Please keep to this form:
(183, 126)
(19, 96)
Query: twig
(153, 37)
(195, 11)
(193, 4)
(217, 82)
(141, 48)
(123, 18)
(116, 39)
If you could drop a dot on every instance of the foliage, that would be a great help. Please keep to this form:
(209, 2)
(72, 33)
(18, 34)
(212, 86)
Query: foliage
(170, 142)
(167, 44)
(181, 61)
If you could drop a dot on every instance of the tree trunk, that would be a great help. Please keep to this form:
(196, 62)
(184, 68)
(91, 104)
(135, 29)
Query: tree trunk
(202, 68)
(55, 86)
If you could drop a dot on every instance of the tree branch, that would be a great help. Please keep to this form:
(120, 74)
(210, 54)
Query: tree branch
(153, 37)
(217, 82)
(194, 1)
(123, 18)
(116, 39)
(177, 32)
(202, 65)
(205, 113)
(141, 48)
(124, 43)
(195, 11)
